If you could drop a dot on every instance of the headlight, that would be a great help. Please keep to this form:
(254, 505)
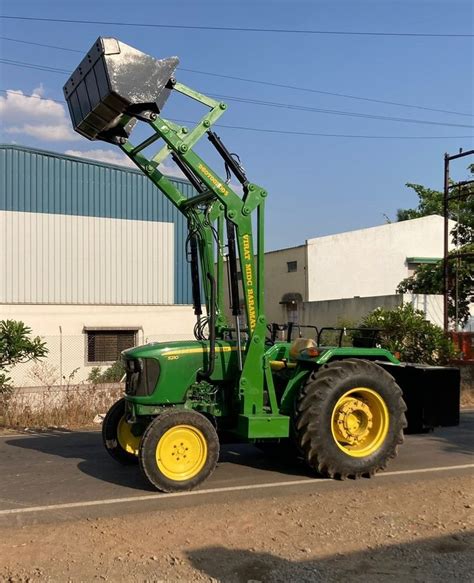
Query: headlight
(142, 376)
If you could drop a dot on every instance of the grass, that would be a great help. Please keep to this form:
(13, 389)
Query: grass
(72, 407)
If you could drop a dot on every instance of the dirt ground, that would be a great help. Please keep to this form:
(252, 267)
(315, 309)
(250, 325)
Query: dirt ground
(415, 529)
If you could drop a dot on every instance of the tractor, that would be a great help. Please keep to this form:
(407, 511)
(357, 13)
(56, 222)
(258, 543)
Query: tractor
(343, 410)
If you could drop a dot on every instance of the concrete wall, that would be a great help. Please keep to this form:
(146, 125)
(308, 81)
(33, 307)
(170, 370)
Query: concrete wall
(431, 305)
(278, 281)
(370, 262)
(62, 327)
(352, 310)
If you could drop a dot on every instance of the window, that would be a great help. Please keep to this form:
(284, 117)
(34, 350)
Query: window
(292, 266)
(106, 345)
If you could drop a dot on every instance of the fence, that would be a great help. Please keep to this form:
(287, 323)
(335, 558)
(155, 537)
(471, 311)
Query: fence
(62, 389)
(57, 390)
(69, 360)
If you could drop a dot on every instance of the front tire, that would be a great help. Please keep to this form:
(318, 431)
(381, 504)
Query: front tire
(350, 419)
(179, 450)
(119, 441)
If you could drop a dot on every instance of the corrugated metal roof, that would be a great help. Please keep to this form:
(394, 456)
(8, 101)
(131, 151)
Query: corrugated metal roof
(39, 181)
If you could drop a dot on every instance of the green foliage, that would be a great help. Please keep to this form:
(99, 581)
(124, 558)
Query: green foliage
(113, 374)
(430, 202)
(429, 279)
(405, 330)
(17, 346)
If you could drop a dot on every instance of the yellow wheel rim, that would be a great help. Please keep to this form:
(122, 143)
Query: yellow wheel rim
(360, 422)
(181, 452)
(129, 442)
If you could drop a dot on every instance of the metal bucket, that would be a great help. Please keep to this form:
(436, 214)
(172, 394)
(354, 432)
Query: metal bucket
(112, 81)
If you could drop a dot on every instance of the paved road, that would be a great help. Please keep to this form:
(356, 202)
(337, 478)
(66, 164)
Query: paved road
(56, 476)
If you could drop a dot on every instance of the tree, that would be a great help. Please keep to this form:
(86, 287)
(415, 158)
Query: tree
(430, 202)
(406, 331)
(17, 346)
(429, 279)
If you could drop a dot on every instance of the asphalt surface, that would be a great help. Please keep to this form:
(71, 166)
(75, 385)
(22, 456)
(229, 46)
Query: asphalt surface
(47, 477)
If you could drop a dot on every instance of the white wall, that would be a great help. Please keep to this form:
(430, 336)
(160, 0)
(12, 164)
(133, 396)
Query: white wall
(370, 262)
(67, 259)
(431, 305)
(67, 347)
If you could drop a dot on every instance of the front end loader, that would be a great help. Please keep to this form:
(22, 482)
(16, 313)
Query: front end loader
(343, 410)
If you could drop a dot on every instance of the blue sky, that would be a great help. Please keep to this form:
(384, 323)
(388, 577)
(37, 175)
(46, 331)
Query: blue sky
(317, 185)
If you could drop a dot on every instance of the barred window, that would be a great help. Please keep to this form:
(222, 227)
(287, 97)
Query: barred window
(292, 266)
(106, 345)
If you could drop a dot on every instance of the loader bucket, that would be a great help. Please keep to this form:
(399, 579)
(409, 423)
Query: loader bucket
(116, 80)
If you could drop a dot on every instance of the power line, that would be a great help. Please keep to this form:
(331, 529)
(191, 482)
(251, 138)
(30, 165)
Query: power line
(24, 65)
(331, 93)
(298, 133)
(274, 104)
(269, 83)
(27, 42)
(273, 131)
(244, 29)
(335, 111)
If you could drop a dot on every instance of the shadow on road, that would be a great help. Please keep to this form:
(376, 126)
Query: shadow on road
(442, 559)
(88, 449)
(269, 460)
(459, 440)
(93, 460)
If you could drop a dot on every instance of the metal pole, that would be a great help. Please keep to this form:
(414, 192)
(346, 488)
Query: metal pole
(61, 356)
(446, 243)
(446, 199)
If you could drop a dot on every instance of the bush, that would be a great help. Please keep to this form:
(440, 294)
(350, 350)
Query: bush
(113, 374)
(405, 330)
(17, 346)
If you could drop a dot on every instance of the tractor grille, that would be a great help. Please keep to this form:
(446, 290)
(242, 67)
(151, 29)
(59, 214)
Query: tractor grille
(142, 376)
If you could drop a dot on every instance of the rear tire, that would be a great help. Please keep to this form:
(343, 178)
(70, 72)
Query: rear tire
(117, 435)
(179, 450)
(350, 417)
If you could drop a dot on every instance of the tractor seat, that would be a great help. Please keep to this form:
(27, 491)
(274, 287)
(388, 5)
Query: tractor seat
(301, 344)
(297, 346)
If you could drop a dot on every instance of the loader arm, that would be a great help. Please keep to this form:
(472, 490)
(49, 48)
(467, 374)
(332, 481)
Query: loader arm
(216, 214)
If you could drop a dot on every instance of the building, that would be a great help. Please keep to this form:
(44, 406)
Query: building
(92, 258)
(345, 275)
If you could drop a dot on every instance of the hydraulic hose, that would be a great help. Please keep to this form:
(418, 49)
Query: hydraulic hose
(206, 374)
(196, 288)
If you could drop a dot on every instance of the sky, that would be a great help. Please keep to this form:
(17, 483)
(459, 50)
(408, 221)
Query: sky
(317, 184)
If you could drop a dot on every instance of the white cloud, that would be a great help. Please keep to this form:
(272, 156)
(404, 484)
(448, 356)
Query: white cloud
(170, 169)
(48, 133)
(35, 116)
(107, 156)
(117, 157)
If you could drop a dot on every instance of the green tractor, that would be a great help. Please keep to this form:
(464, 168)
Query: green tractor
(343, 410)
